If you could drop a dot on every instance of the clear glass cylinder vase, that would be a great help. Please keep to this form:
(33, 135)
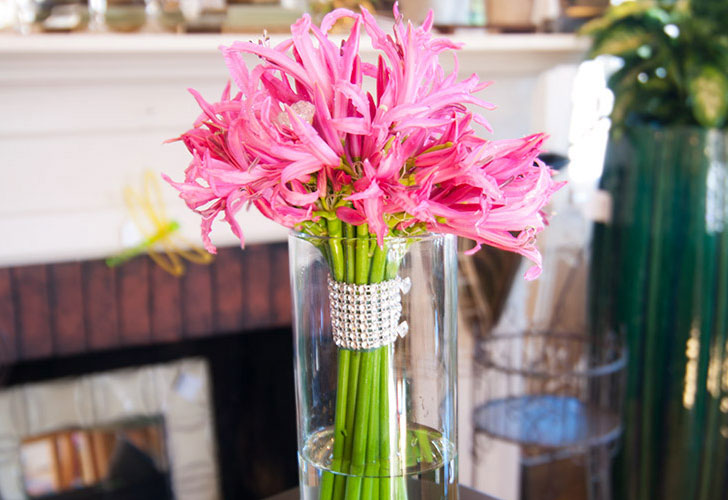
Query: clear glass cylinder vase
(376, 420)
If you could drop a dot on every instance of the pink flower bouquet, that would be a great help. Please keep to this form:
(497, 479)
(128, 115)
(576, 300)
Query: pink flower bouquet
(330, 145)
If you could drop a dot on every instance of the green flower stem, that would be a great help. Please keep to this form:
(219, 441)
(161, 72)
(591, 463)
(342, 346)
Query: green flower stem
(351, 373)
(356, 268)
(362, 255)
(397, 487)
(380, 271)
(370, 488)
(351, 406)
(361, 421)
(329, 481)
(336, 256)
(386, 450)
(425, 448)
(379, 264)
(337, 252)
(350, 252)
(363, 426)
(366, 376)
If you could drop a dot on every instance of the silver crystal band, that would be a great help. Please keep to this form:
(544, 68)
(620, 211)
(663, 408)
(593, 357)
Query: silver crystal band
(367, 316)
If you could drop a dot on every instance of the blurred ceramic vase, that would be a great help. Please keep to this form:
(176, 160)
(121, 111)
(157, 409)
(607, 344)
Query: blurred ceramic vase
(125, 15)
(25, 13)
(50, 15)
(446, 12)
(510, 15)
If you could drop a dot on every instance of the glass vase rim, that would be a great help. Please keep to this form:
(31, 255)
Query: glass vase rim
(427, 236)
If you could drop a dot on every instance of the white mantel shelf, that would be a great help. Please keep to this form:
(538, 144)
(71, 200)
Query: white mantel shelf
(518, 53)
(544, 44)
(88, 113)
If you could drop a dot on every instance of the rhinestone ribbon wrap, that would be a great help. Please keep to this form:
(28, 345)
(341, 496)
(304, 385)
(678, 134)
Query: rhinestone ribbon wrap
(367, 316)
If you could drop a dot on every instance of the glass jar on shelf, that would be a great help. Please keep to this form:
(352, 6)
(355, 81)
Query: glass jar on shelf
(50, 15)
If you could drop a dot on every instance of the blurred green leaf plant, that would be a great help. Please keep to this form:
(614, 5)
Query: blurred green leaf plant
(674, 57)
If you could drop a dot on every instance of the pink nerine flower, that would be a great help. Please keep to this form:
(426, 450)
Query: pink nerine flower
(303, 139)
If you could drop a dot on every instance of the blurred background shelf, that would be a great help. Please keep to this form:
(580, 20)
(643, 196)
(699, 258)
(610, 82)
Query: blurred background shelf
(501, 53)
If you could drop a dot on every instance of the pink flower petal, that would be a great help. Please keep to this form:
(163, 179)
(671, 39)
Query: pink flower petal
(404, 155)
(350, 216)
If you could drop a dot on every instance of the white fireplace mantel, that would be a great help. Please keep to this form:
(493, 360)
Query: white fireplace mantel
(503, 53)
(85, 115)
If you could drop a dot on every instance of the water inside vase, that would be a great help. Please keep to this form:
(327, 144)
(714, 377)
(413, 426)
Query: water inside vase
(428, 472)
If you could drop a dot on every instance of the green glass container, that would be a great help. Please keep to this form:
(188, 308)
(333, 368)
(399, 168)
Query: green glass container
(660, 270)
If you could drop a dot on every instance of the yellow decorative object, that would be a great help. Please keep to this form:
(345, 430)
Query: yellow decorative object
(162, 241)
(343, 25)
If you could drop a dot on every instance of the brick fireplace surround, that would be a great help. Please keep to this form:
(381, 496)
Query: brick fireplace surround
(68, 318)
(53, 310)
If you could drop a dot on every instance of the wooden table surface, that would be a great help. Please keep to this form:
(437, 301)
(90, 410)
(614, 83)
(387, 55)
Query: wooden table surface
(466, 493)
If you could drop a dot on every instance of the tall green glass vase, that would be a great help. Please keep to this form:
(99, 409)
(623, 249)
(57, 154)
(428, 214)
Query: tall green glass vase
(660, 270)
(376, 418)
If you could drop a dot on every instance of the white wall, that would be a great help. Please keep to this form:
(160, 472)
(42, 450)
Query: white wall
(84, 115)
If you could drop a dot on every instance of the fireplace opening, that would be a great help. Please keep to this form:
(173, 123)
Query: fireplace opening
(251, 396)
(120, 460)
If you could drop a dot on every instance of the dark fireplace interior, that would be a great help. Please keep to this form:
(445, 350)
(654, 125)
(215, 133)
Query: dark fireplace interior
(254, 405)
(70, 319)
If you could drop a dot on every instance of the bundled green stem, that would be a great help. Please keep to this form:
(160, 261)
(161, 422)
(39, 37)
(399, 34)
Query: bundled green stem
(361, 463)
